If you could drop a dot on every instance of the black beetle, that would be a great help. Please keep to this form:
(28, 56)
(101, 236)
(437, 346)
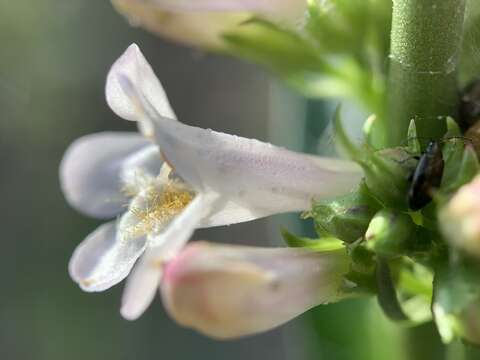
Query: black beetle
(426, 177)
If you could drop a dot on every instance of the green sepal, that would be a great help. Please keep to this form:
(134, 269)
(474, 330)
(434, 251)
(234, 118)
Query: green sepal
(387, 174)
(321, 244)
(368, 129)
(453, 130)
(460, 168)
(386, 171)
(346, 217)
(361, 276)
(452, 157)
(391, 233)
(413, 144)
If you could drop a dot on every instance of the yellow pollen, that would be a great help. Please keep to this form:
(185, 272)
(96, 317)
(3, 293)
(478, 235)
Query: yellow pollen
(160, 207)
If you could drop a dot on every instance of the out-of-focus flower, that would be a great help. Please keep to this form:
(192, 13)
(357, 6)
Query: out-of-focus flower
(460, 218)
(207, 179)
(227, 291)
(202, 22)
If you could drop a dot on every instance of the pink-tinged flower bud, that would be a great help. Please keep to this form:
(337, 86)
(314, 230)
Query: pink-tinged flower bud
(228, 291)
(202, 22)
(460, 218)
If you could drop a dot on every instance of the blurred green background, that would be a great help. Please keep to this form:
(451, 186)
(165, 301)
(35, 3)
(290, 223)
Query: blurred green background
(54, 58)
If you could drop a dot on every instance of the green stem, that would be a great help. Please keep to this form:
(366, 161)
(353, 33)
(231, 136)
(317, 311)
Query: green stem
(423, 343)
(425, 42)
(465, 351)
(471, 352)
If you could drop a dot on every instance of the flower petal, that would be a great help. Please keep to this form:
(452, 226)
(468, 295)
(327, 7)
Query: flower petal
(460, 218)
(170, 241)
(143, 281)
(255, 179)
(203, 29)
(141, 287)
(277, 9)
(92, 168)
(103, 259)
(132, 64)
(230, 291)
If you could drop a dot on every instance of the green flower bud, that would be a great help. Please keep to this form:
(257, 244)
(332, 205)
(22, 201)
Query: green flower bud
(390, 233)
(345, 218)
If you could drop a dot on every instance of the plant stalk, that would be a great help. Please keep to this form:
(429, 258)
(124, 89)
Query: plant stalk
(425, 44)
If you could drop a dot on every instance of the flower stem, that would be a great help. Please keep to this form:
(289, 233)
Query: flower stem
(425, 42)
(458, 350)
(423, 342)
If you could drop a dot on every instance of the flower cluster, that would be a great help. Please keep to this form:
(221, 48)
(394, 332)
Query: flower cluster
(399, 222)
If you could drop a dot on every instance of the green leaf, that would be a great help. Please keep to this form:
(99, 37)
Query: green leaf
(339, 27)
(456, 288)
(334, 54)
(461, 166)
(415, 288)
(282, 50)
(322, 244)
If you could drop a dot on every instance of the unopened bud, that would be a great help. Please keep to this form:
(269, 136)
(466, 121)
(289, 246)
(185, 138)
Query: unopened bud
(202, 23)
(390, 233)
(230, 291)
(345, 218)
(460, 218)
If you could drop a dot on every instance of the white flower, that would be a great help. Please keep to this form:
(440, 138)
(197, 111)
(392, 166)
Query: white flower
(207, 179)
(227, 291)
(202, 22)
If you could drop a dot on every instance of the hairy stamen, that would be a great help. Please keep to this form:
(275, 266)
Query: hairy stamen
(161, 205)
